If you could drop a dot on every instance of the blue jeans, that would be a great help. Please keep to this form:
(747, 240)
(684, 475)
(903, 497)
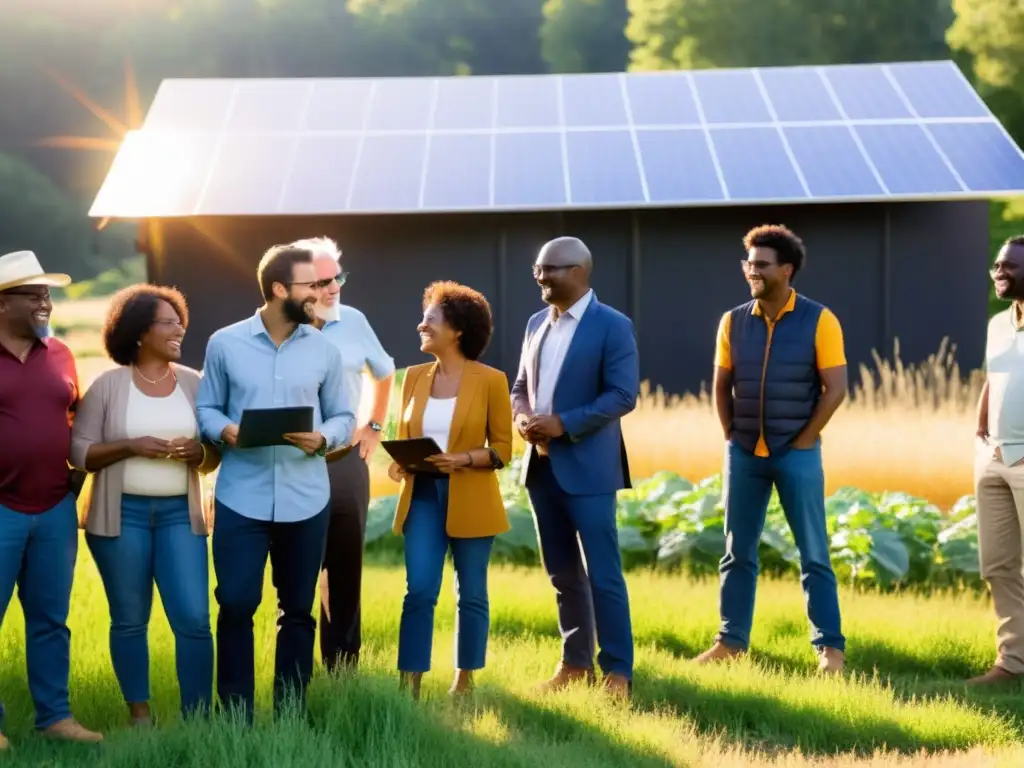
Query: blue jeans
(426, 544)
(241, 547)
(800, 480)
(157, 544)
(579, 544)
(38, 553)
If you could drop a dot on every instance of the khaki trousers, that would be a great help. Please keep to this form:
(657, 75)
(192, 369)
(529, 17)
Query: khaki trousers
(999, 492)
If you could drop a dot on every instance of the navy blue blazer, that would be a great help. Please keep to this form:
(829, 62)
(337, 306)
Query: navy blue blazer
(598, 384)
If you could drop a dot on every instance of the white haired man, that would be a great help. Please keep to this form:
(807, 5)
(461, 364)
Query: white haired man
(361, 350)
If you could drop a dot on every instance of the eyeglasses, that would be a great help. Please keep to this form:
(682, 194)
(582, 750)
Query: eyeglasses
(747, 264)
(339, 278)
(540, 269)
(34, 296)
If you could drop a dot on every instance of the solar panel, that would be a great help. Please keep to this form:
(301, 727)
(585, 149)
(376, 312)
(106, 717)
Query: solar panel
(901, 131)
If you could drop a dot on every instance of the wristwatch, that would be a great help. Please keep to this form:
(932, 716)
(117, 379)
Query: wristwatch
(374, 426)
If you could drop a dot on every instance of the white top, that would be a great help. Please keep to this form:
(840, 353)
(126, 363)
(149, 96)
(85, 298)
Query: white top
(1004, 366)
(166, 418)
(437, 420)
(552, 354)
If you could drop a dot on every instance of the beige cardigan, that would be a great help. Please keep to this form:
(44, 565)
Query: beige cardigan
(100, 418)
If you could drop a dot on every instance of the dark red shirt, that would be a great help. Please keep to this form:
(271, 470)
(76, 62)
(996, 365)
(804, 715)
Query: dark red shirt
(37, 401)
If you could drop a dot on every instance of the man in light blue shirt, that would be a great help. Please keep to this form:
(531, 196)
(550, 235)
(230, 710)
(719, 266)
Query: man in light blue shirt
(361, 350)
(271, 501)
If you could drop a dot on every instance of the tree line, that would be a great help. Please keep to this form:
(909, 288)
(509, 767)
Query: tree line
(75, 76)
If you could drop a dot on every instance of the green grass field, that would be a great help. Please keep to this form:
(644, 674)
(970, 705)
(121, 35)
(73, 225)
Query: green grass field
(903, 693)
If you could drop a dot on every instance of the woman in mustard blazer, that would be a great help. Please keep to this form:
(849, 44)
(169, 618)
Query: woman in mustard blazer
(465, 406)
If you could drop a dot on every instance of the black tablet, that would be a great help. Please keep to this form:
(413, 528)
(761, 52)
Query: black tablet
(410, 454)
(262, 427)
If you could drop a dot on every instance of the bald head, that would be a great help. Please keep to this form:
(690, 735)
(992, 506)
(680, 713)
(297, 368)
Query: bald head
(562, 271)
(566, 252)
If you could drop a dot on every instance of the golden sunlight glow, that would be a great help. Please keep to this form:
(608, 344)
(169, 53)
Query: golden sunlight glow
(154, 175)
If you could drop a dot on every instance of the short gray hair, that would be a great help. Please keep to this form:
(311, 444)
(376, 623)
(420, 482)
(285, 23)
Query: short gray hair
(320, 247)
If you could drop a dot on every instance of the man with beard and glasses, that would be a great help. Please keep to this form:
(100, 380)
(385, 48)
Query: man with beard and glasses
(38, 520)
(780, 374)
(271, 501)
(578, 376)
(999, 466)
(361, 350)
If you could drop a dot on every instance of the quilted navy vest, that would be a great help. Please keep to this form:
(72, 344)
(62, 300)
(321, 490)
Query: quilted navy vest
(790, 381)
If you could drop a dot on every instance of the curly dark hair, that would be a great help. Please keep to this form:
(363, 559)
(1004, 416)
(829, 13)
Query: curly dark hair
(788, 247)
(465, 310)
(131, 313)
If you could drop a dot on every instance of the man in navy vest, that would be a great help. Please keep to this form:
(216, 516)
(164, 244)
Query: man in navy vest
(780, 374)
(578, 376)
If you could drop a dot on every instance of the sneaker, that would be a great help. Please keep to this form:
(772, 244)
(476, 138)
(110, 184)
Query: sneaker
(70, 729)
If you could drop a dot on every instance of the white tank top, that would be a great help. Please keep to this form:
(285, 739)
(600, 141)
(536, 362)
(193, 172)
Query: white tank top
(166, 418)
(437, 420)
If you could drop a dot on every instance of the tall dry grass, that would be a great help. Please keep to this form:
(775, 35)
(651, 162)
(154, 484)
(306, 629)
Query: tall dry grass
(903, 428)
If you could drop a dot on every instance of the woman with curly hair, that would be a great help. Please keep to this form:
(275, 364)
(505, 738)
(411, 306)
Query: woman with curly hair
(136, 430)
(465, 407)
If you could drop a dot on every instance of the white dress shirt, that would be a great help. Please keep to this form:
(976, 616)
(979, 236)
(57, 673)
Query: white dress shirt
(552, 354)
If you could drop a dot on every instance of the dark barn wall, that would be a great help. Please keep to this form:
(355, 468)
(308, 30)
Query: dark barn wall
(913, 271)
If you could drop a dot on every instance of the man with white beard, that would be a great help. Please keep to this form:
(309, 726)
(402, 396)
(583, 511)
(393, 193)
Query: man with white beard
(341, 575)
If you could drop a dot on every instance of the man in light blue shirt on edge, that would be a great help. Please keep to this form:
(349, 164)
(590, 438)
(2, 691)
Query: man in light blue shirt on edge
(361, 350)
(271, 501)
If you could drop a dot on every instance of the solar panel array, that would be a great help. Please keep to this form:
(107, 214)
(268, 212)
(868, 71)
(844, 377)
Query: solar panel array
(711, 137)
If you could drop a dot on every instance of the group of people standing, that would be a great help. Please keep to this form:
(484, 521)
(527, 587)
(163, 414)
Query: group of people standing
(150, 429)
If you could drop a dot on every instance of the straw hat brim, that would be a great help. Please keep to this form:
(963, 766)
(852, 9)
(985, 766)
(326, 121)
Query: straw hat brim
(51, 279)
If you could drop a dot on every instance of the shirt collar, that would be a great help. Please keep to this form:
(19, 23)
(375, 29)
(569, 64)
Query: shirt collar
(787, 307)
(256, 327)
(576, 310)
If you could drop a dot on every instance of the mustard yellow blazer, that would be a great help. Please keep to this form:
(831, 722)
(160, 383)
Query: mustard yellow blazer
(482, 418)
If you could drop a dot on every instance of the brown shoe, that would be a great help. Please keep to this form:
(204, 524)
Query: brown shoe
(831, 661)
(70, 729)
(618, 686)
(566, 675)
(718, 652)
(995, 676)
(4, 744)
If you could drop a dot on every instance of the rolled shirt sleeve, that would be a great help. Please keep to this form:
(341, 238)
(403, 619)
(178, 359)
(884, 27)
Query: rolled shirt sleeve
(380, 363)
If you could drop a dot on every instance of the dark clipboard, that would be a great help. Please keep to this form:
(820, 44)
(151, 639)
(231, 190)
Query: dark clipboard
(411, 454)
(263, 427)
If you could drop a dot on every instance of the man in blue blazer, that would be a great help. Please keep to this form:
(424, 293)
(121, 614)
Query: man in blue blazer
(578, 376)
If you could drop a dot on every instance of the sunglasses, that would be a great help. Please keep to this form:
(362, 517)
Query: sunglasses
(339, 278)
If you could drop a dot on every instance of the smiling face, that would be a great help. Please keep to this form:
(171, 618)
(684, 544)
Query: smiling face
(163, 338)
(765, 276)
(299, 299)
(331, 278)
(1008, 273)
(26, 310)
(436, 336)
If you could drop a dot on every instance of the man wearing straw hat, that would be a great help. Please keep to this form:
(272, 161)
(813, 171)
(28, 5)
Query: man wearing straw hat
(38, 519)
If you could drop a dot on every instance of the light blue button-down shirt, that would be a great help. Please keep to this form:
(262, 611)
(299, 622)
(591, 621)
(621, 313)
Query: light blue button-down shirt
(360, 350)
(245, 369)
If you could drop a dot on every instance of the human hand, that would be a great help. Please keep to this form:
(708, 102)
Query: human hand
(308, 442)
(150, 448)
(230, 435)
(544, 428)
(396, 473)
(367, 439)
(804, 442)
(521, 422)
(188, 450)
(449, 462)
